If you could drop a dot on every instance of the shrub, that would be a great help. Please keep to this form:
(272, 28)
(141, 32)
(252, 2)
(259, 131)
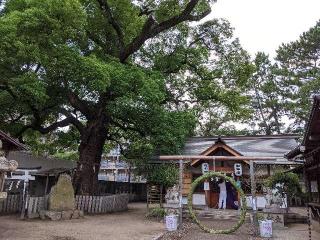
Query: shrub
(286, 183)
(157, 212)
(163, 174)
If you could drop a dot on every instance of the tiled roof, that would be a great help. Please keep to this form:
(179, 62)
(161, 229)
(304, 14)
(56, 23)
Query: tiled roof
(14, 142)
(264, 146)
(28, 161)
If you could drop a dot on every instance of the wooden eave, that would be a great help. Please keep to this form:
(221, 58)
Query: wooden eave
(9, 143)
(311, 138)
(214, 147)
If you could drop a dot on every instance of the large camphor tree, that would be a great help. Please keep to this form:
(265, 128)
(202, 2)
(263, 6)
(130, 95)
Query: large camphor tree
(124, 71)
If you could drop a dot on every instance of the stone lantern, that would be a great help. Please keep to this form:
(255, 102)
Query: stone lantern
(5, 166)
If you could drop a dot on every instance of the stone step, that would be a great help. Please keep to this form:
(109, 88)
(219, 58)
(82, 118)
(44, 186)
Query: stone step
(296, 218)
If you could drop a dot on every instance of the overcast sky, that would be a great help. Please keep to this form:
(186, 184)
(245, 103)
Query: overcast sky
(262, 25)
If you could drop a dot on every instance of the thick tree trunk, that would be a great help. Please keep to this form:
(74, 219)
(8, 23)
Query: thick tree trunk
(92, 138)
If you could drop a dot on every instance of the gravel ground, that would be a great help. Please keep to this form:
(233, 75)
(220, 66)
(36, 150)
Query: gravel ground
(191, 231)
(130, 225)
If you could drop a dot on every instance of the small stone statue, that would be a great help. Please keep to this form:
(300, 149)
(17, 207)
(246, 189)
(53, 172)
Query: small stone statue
(172, 196)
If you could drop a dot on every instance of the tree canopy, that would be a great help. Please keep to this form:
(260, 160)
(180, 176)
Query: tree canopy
(123, 71)
(299, 72)
(281, 90)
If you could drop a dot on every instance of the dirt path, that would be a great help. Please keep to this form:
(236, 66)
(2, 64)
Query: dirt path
(131, 225)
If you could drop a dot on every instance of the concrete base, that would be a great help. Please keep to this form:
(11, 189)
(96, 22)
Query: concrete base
(315, 225)
(60, 215)
(278, 218)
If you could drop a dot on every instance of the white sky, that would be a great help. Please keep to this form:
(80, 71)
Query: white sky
(262, 25)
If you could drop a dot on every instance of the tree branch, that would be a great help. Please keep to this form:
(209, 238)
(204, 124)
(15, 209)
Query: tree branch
(44, 130)
(36, 125)
(105, 8)
(127, 127)
(81, 105)
(151, 28)
(73, 120)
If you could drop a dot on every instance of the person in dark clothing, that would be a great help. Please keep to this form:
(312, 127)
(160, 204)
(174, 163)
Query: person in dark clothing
(231, 196)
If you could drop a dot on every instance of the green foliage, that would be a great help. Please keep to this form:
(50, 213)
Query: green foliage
(60, 144)
(234, 184)
(299, 71)
(162, 174)
(158, 213)
(124, 71)
(280, 91)
(266, 94)
(286, 183)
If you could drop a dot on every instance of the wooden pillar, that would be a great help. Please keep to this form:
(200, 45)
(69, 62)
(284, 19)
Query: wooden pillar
(207, 195)
(254, 199)
(180, 191)
(46, 187)
(318, 183)
(2, 175)
(269, 170)
(161, 195)
(307, 183)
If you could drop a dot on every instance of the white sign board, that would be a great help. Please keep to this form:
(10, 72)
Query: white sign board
(205, 168)
(238, 169)
(266, 228)
(206, 186)
(172, 222)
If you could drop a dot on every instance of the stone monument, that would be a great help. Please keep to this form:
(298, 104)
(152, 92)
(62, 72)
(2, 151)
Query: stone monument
(62, 201)
(61, 197)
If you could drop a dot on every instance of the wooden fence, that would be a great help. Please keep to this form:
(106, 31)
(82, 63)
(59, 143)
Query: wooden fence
(88, 204)
(102, 204)
(35, 205)
(12, 204)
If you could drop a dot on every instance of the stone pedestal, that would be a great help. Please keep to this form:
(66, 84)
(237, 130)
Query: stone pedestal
(277, 215)
(171, 208)
(61, 215)
(172, 201)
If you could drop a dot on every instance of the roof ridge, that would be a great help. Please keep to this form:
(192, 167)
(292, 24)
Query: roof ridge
(278, 136)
